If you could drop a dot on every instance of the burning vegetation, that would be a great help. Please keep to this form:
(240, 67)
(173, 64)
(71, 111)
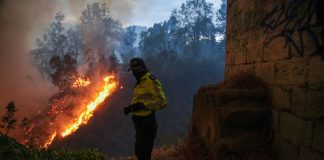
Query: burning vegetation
(67, 112)
(81, 64)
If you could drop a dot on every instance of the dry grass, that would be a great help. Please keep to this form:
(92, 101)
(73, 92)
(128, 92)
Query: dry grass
(188, 148)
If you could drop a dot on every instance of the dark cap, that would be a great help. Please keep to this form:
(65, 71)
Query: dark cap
(136, 63)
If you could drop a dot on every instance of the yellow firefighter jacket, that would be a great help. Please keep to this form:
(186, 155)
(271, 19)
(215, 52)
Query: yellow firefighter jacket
(148, 91)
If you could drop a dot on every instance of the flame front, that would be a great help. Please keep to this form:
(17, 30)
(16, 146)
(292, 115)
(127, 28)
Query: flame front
(50, 140)
(81, 82)
(109, 86)
(98, 92)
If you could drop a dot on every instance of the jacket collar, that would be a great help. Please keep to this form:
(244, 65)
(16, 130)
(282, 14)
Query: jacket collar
(145, 75)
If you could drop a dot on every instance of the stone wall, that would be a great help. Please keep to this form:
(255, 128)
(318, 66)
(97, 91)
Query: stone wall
(281, 42)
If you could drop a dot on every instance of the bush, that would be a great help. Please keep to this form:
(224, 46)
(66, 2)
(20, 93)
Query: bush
(11, 150)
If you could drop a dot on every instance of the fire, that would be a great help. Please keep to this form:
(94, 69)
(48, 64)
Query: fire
(50, 140)
(100, 92)
(109, 86)
(81, 82)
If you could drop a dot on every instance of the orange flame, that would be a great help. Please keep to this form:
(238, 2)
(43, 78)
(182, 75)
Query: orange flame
(81, 82)
(49, 141)
(109, 86)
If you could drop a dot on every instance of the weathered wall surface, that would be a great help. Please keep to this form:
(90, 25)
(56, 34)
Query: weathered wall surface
(280, 42)
(232, 119)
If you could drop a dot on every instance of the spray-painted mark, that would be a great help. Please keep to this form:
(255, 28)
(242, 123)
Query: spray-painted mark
(294, 21)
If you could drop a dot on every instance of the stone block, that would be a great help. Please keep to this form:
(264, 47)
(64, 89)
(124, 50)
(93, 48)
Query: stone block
(295, 129)
(316, 104)
(274, 49)
(286, 150)
(240, 48)
(275, 120)
(316, 73)
(230, 16)
(307, 103)
(255, 52)
(265, 71)
(229, 59)
(246, 19)
(308, 47)
(307, 153)
(237, 69)
(249, 68)
(281, 97)
(291, 72)
(242, 117)
(239, 57)
(318, 141)
(231, 30)
(299, 101)
(209, 129)
(223, 96)
(228, 71)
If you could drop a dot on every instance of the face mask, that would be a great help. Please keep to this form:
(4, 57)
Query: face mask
(138, 73)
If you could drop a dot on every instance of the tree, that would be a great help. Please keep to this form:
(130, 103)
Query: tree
(53, 43)
(154, 40)
(101, 34)
(9, 120)
(75, 45)
(131, 36)
(92, 44)
(127, 48)
(65, 71)
(194, 20)
(221, 19)
(24, 123)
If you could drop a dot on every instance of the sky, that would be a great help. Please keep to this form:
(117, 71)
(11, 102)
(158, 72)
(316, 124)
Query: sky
(128, 12)
(158, 11)
(142, 12)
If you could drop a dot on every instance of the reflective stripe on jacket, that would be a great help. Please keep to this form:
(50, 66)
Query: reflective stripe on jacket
(148, 91)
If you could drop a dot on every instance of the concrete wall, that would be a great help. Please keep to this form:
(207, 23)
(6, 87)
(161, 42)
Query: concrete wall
(281, 42)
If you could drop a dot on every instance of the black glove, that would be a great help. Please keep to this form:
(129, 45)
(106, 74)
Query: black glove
(127, 110)
(134, 107)
(138, 106)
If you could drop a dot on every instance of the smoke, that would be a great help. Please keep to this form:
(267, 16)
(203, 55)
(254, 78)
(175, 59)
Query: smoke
(22, 21)
(19, 80)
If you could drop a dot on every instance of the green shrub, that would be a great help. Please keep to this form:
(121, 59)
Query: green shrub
(11, 150)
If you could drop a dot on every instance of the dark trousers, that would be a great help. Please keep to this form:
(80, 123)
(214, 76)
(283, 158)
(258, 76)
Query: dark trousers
(145, 128)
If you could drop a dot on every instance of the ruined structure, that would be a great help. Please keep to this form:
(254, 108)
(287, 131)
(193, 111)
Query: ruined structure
(281, 43)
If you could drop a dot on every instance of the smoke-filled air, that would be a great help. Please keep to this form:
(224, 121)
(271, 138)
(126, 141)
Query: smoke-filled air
(64, 69)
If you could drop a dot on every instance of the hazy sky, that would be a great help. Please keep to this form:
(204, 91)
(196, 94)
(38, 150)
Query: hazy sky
(158, 11)
(142, 12)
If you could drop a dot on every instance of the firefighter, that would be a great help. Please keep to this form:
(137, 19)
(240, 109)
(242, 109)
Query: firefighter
(148, 97)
